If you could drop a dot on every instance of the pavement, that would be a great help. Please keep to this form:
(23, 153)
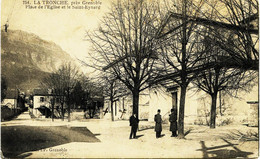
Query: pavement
(200, 141)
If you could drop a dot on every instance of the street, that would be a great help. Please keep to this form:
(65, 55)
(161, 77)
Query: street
(42, 138)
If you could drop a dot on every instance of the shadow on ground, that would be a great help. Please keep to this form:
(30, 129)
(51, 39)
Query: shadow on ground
(221, 151)
(187, 132)
(243, 136)
(142, 128)
(19, 139)
(138, 136)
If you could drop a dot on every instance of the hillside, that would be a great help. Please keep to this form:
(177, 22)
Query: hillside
(26, 59)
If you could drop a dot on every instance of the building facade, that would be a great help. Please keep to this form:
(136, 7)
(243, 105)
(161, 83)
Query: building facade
(197, 106)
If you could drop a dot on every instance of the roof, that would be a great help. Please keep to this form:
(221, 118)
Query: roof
(44, 92)
(40, 92)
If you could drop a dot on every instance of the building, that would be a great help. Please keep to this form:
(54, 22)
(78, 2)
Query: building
(42, 103)
(43, 99)
(123, 106)
(197, 106)
(11, 99)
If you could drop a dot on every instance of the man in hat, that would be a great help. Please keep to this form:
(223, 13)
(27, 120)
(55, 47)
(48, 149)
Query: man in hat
(173, 121)
(134, 125)
(158, 124)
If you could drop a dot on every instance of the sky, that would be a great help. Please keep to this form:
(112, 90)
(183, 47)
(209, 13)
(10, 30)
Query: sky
(65, 27)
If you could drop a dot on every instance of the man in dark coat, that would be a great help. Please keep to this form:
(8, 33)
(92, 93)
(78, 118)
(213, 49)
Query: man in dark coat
(158, 124)
(6, 26)
(134, 125)
(173, 121)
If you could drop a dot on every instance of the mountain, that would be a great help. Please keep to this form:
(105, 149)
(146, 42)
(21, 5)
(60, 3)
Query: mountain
(26, 59)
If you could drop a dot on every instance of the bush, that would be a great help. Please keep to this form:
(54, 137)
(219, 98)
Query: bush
(225, 121)
(8, 114)
(201, 121)
(198, 121)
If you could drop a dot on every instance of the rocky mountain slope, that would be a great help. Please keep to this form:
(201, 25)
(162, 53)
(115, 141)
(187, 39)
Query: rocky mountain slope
(26, 58)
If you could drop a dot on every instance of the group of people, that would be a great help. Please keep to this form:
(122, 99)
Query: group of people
(158, 124)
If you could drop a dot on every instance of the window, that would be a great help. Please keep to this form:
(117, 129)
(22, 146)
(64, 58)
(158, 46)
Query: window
(41, 99)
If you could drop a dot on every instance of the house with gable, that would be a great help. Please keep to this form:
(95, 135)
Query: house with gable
(42, 103)
(11, 99)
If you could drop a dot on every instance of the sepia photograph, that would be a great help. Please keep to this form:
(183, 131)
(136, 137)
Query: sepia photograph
(129, 79)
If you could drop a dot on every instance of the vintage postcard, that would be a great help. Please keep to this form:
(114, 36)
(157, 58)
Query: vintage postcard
(129, 79)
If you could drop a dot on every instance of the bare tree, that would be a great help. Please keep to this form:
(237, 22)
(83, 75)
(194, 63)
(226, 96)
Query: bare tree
(221, 78)
(113, 89)
(231, 48)
(111, 93)
(62, 82)
(180, 55)
(240, 18)
(182, 24)
(124, 44)
(91, 88)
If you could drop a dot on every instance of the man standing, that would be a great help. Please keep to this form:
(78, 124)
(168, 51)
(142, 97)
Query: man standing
(134, 125)
(173, 121)
(158, 124)
(6, 26)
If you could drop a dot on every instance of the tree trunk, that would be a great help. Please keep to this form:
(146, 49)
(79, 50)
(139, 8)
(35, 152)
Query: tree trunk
(62, 112)
(181, 112)
(112, 111)
(68, 112)
(183, 72)
(115, 108)
(213, 110)
(68, 106)
(136, 103)
(214, 100)
(220, 104)
(52, 108)
(112, 99)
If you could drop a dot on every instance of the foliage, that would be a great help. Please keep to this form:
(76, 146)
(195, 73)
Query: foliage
(3, 88)
(78, 95)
